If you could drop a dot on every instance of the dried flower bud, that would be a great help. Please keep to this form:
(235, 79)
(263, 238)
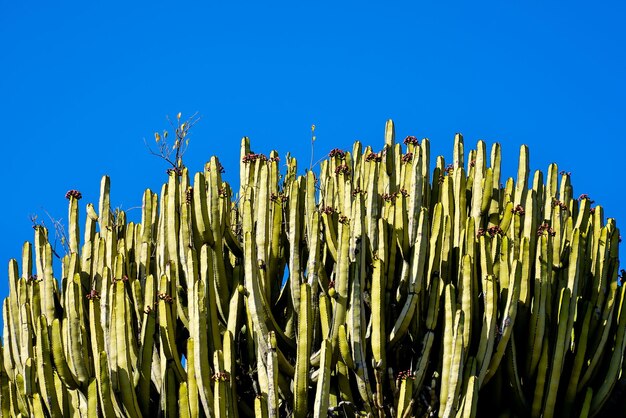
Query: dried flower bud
(336, 152)
(93, 295)
(250, 158)
(585, 196)
(389, 197)
(165, 297)
(372, 156)
(73, 193)
(546, 229)
(518, 210)
(342, 169)
(411, 140)
(404, 375)
(220, 167)
(278, 198)
(357, 191)
(495, 230)
(176, 170)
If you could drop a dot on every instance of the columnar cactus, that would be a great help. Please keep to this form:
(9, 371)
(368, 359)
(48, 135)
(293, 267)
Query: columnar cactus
(369, 289)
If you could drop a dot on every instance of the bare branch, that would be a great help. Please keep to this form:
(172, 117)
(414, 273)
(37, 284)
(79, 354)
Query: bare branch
(60, 235)
(181, 142)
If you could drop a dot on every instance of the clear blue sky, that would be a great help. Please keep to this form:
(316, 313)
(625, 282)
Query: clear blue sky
(83, 83)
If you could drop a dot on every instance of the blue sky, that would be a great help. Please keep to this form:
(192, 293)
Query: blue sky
(83, 83)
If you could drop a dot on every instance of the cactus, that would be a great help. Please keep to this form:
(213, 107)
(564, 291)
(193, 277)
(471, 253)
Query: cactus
(370, 289)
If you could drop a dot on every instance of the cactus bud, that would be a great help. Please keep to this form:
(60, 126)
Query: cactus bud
(73, 193)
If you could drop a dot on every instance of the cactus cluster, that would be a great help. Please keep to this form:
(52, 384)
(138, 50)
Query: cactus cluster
(372, 289)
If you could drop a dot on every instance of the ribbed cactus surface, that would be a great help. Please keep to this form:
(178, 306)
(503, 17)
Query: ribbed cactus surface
(374, 288)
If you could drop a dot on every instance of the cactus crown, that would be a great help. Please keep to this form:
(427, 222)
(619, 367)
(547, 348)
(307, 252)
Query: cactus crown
(407, 293)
